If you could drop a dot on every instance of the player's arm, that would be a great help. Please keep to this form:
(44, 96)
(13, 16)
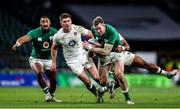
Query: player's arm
(125, 46)
(89, 35)
(101, 51)
(84, 32)
(21, 41)
(54, 49)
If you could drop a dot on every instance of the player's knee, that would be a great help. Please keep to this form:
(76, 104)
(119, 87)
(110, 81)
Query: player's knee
(119, 76)
(37, 72)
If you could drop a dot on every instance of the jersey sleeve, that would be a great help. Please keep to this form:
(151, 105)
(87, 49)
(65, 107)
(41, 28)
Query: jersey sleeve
(55, 39)
(82, 30)
(32, 35)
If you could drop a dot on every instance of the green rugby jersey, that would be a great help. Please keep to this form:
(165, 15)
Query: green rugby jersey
(110, 36)
(41, 42)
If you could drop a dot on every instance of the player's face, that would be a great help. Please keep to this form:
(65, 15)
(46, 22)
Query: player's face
(66, 24)
(100, 29)
(45, 23)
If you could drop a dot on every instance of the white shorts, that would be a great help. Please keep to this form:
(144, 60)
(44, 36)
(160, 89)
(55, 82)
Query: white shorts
(46, 63)
(125, 57)
(77, 64)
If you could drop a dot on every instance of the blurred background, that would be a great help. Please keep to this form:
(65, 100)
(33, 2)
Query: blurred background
(151, 27)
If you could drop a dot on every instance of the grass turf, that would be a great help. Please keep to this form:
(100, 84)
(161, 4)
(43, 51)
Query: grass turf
(28, 97)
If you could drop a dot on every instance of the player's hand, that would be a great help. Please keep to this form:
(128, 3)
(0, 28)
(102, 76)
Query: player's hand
(53, 67)
(14, 47)
(119, 49)
(86, 45)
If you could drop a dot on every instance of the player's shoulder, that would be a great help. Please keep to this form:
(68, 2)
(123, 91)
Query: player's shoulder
(92, 29)
(53, 29)
(36, 29)
(77, 27)
(59, 33)
(108, 26)
(34, 32)
(111, 30)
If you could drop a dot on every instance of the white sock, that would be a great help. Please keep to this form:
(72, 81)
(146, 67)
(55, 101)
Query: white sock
(125, 91)
(91, 86)
(104, 89)
(46, 90)
(161, 71)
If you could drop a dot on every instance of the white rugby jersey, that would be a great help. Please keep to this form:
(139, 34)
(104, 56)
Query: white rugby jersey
(71, 41)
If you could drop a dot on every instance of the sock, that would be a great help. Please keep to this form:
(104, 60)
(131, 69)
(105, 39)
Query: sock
(104, 89)
(46, 90)
(116, 83)
(92, 89)
(161, 71)
(52, 86)
(126, 95)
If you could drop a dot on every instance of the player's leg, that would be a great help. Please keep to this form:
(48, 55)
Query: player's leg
(52, 79)
(139, 62)
(91, 67)
(52, 86)
(94, 73)
(119, 75)
(38, 68)
(106, 85)
(84, 78)
(77, 66)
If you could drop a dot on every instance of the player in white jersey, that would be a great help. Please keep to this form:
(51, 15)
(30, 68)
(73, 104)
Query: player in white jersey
(69, 36)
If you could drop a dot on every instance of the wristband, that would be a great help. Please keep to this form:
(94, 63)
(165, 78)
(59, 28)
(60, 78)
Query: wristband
(123, 48)
(18, 44)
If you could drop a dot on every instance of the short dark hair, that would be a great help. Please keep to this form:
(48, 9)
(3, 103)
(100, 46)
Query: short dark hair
(44, 16)
(64, 15)
(97, 20)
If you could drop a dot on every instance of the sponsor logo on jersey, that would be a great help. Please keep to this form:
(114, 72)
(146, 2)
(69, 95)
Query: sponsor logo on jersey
(39, 39)
(46, 44)
(75, 33)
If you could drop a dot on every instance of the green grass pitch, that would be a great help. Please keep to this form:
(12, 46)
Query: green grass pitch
(28, 97)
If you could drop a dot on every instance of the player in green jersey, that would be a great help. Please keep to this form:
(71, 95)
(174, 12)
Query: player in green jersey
(107, 55)
(40, 59)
